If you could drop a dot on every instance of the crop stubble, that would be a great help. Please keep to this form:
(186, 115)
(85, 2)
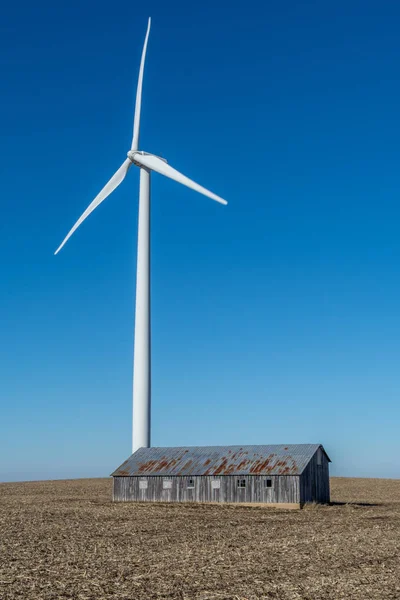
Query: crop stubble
(65, 539)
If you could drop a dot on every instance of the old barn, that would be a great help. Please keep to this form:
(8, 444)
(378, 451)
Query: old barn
(279, 475)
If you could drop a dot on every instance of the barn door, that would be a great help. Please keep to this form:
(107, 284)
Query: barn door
(215, 490)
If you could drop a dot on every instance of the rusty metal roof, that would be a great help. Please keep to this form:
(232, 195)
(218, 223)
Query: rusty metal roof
(289, 459)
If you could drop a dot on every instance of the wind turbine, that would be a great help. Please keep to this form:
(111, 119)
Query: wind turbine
(146, 162)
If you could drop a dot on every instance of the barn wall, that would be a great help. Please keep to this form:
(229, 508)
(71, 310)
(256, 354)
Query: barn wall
(314, 481)
(285, 489)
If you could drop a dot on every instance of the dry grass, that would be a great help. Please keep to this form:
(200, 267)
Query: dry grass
(66, 539)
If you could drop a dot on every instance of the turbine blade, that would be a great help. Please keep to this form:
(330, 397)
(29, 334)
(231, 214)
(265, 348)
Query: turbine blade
(156, 164)
(114, 182)
(136, 122)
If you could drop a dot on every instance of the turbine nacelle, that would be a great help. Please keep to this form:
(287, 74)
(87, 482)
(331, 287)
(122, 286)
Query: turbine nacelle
(132, 153)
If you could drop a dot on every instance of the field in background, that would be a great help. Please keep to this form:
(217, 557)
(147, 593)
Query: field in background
(65, 539)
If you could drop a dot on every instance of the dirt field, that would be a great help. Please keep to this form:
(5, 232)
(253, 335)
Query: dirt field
(66, 539)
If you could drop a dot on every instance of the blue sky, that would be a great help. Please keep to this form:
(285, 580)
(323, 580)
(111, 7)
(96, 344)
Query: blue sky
(275, 319)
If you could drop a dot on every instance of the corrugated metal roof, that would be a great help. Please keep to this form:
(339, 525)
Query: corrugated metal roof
(278, 459)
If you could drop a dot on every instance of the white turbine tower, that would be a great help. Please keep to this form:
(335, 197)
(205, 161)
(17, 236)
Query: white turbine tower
(147, 163)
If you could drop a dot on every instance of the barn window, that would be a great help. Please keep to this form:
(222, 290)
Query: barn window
(167, 484)
(215, 484)
(190, 484)
(241, 483)
(268, 483)
(319, 457)
(143, 484)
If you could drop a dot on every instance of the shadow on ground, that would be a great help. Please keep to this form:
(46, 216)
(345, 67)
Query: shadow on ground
(356, 504)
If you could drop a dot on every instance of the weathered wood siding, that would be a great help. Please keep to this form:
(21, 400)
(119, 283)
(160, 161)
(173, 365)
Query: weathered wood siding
(314, 481)
(284, 489)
